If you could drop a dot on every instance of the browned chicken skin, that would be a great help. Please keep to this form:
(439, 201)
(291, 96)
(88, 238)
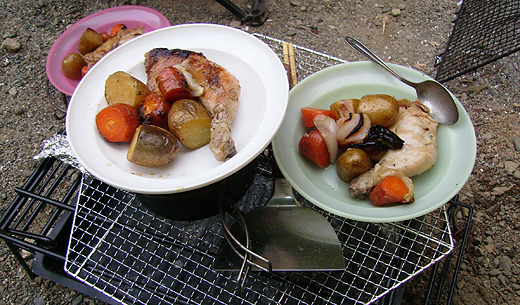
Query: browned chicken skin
(220, 95)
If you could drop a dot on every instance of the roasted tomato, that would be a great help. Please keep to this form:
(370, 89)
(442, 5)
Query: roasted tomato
(154, 111)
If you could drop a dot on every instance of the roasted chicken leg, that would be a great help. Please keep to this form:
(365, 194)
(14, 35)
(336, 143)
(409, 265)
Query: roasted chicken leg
(219, 97)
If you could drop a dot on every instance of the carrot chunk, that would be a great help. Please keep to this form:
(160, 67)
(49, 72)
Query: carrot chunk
(313, 147)
(391, 189)
(117, 122)
(309, 113)
(84, 71)
(116, 29)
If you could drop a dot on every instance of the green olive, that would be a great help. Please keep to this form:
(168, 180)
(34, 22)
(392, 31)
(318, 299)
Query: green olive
(72, 64)
(382, 109)
(352, 163)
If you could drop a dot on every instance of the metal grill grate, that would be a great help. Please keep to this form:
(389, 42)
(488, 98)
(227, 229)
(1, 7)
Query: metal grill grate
(129, 254)
(485, 30)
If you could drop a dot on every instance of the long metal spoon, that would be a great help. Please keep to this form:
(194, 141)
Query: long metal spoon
(431, 93)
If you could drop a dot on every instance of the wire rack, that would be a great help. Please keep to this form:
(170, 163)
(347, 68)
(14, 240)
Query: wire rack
(133, 256)
(484, 32)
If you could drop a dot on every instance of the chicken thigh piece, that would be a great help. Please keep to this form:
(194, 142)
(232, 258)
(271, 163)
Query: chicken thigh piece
(419, 132)
(220, 95)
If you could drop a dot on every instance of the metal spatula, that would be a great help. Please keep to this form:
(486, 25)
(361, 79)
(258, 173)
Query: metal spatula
(283, 236)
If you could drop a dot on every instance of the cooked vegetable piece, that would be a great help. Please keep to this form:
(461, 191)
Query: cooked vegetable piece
(71, 66)
(382, 109)
(342, 108)
(173, 85)
(121, 87)
(313, 147)
(152, 146)
(154, 111)
(105, 36)
(378, 141)
(189, 121)
(352, 163)
(391, 189)
(116, 29)
(84, 71)
(117, 122)
(89, 41)
(385, 135)
(309, 113)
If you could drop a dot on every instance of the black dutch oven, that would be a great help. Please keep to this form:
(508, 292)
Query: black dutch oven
(203, 202)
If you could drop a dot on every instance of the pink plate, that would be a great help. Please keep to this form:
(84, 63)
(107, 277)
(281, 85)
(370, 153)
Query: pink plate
(130, 15)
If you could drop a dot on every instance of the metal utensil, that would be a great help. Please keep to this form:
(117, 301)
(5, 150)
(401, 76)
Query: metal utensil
(281, 236)
(431, 93)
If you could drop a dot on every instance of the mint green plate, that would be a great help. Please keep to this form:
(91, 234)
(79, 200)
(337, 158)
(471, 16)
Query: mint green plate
(322, 187)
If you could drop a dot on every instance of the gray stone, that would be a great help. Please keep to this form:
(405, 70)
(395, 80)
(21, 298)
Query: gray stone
(502, 280)
(494, 281)
(235, 24)
(505, 263)
(516, 142)
(396, 12)
(495, 272)
(11, 45)
(487, 136)
(77, 300)
(13, 92)
(510, 166)
(39, 301)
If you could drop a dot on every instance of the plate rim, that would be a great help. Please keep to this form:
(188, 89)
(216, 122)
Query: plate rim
(52, 51)
(281, 91)
(289, 174)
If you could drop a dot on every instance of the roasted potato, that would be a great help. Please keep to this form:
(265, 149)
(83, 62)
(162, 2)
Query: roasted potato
(152, 146)
(382, 109)
(352, 163)
(89, 41)
(71, 66)
(121, 87)
(189, 121)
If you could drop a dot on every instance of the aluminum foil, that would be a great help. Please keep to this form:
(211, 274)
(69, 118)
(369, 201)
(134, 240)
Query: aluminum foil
(58, 147)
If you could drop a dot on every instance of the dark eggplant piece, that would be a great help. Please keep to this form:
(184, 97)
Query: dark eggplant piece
(385, 135)
(378, 140)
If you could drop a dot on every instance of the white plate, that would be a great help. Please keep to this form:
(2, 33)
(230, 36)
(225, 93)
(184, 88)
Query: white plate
(262, 107)
(435, 187)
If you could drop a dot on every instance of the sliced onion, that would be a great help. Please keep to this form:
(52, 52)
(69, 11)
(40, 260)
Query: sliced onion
(354, 130)
(328, 130)
(346, 126)
(346, 107)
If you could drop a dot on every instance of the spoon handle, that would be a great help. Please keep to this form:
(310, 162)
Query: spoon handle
(364, 50)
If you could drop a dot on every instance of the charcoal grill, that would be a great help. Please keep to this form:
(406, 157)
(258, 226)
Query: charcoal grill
(484, 31)
(120, 252)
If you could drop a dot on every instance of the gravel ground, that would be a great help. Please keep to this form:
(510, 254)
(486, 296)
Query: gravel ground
(405, 32)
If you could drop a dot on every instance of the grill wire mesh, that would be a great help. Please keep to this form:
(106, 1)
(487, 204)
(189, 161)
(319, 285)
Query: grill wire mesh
(119, 248)
(485, 30)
